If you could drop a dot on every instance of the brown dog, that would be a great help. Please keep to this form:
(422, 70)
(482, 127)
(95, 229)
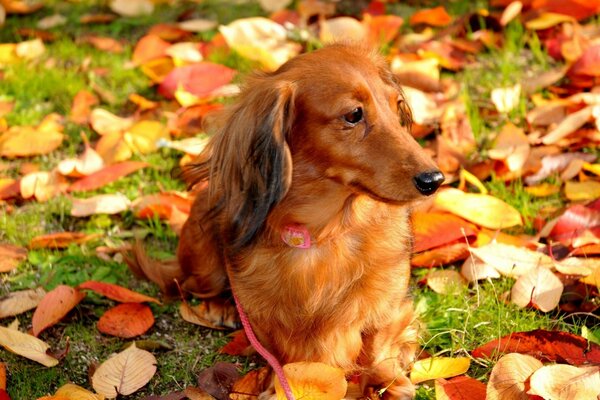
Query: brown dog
(312, 173)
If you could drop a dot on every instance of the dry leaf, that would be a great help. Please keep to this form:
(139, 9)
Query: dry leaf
(512, 146)
(24, 141)
(506, 99)
(60, 240)
(74, 392)
(132, 8)
(577, 265)
(30, 49)
(582, 191)
(438, 367)
(51, 21)
(568, 125)
(105, 122)
(116, 292)
(198, 25)
(11, 256)
(261, 40)
(481, 209)
(445, 281)
(218, 379)
(511, 260)
(124, 373)
(148, 48)
(442, 255)
(566, 382)
(42, 185)
(214, 314)
(538, 287)
(512, 11)
(313, 380)
(126, 320)
(250, 385)
(507, 381)
(18, 302)
(143, 136)
(82, 106)
(340, 29)
(433, 229)
(473, 269)
(100, 204)
(459, 388)
(107, 175)
(54, 306)
(433, 16)
(86, 164)
(26, 345)
(547, 20)
(184, 52)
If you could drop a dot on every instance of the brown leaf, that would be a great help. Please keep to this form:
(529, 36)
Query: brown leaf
(214, 313)
(459, 388)
(20, 301)
(545, 345)
(445, 281)
(218, 379)
(251, 385)
(568, 125)
(60, 240)
(26, 345)
(126, 320)
(124, 373)
(11, 256)
(116, 292)
(55, 305)
(507, 381)
(538, 287)
(107, 175)
(566, 382)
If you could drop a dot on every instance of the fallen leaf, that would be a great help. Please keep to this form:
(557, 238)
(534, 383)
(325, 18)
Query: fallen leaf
(543, 189)
(481, 209)
(313, 380)
(382, 29)
(3, 376)
(250, 385)
(106, 175)
(274, 5)
(27, 346)
(341, 28)
(512, 11)
(103, 43)
(588, 63)
(458, 388)
(30, 49)
(161, 205)
(510, 260)
(25, 141)
(51, 21)
(547, 20)
(566, 382)
(82, 106)
(55, 305)
(214, 314)
(11, 256)
(556, 163)
(149, 47)
(86, 164)
(60, 240)
(511, 146)
(438, 367)
(124, 373)
(132, 8)
(433, 229)
(20, 301)
(538, 287)
(116, 292)
(201, 80)
(507, 381)
(574, 222)
(442, 255)
(568, 125)
(445, 281)
(73, 392)
(126, 320)
(473, 269)
(218, 379)
(260, 39)
(432, 16)
(582, 191)
(104, 122)
(593, 278)
(562, 347)
(184, 53)
(42, 185)
(506, 99)
(198, 25)
(143, 136)
(100, 204)
(238, 346)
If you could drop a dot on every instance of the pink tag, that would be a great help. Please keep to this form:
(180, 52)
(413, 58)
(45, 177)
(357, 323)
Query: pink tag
(296, 236)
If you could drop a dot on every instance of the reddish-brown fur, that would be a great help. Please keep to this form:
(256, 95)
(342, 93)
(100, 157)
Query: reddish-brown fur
(283, 154)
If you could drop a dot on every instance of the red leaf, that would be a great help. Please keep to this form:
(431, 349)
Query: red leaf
(578, 9)
(106, 175)
(238, 346)
(462, 387)
(544, 345)
(4, 395)
(383, 28)
(54, 306)
(574, 221)
(116, 292)
(218, 379)
(588, 64)
(126, 320)
(441, 255)
(433, 229)
(200, 79)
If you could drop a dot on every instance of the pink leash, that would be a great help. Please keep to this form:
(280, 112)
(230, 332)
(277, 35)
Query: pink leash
(264, 352)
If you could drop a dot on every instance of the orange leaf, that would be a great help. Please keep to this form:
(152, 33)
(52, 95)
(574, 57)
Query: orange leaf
(578, 9)
(161, 205)
(82, 106)
(250, 385)
(458, 388)
(11, 256)
(107, 175)
(313, 380)
(24, 141)
(126, 320)
(441, 255)
(238, 346)
(60, 240)
(433, 229)
(381, 29)
(2, 376)
(200, 79)
(116, 292)
(433, 16)
(149, 48)
(107, 44)
(54, 306)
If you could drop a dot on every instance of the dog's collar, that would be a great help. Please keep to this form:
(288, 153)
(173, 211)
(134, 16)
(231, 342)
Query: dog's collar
(296, 235)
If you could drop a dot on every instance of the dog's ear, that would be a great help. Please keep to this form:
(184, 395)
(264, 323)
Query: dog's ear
(250, 161)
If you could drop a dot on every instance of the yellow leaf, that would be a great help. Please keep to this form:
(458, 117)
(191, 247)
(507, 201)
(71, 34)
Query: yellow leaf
(548, 20)
(511, 260)
(74, 392)
(487, 211)
(158, 68)
(593, 278)
(260, 39)
(24, 141)
(132, 8)
(540, 287)
(542, 190)
(8, 54)
(42, 185)
(593, 168)
(143, 136)
(507, 381)
(112, 148)
(341, 28)
(507, 98)
(124, 373)
(438, 367)
(566, 382)
(312, 380)
(466, 176)
(30, 49)
(582, 191)
(104, 122)
(26, 345)
(444, 281)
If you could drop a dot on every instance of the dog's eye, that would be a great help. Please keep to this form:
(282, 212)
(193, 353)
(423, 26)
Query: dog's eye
(354, 116)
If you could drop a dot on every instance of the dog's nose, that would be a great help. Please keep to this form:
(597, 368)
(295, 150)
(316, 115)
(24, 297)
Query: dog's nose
(428, 182)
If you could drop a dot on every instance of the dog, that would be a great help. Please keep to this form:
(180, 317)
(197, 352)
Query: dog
(311, 175)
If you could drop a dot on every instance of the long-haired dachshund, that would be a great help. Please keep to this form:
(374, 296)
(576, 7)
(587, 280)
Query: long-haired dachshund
(311, 177)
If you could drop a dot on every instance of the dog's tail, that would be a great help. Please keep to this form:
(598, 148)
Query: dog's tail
(166, 274)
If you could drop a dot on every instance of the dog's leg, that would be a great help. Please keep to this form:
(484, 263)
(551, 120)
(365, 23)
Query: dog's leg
(388, 353)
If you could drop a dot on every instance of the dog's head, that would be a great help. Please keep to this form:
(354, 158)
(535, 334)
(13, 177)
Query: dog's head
(337, 111)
